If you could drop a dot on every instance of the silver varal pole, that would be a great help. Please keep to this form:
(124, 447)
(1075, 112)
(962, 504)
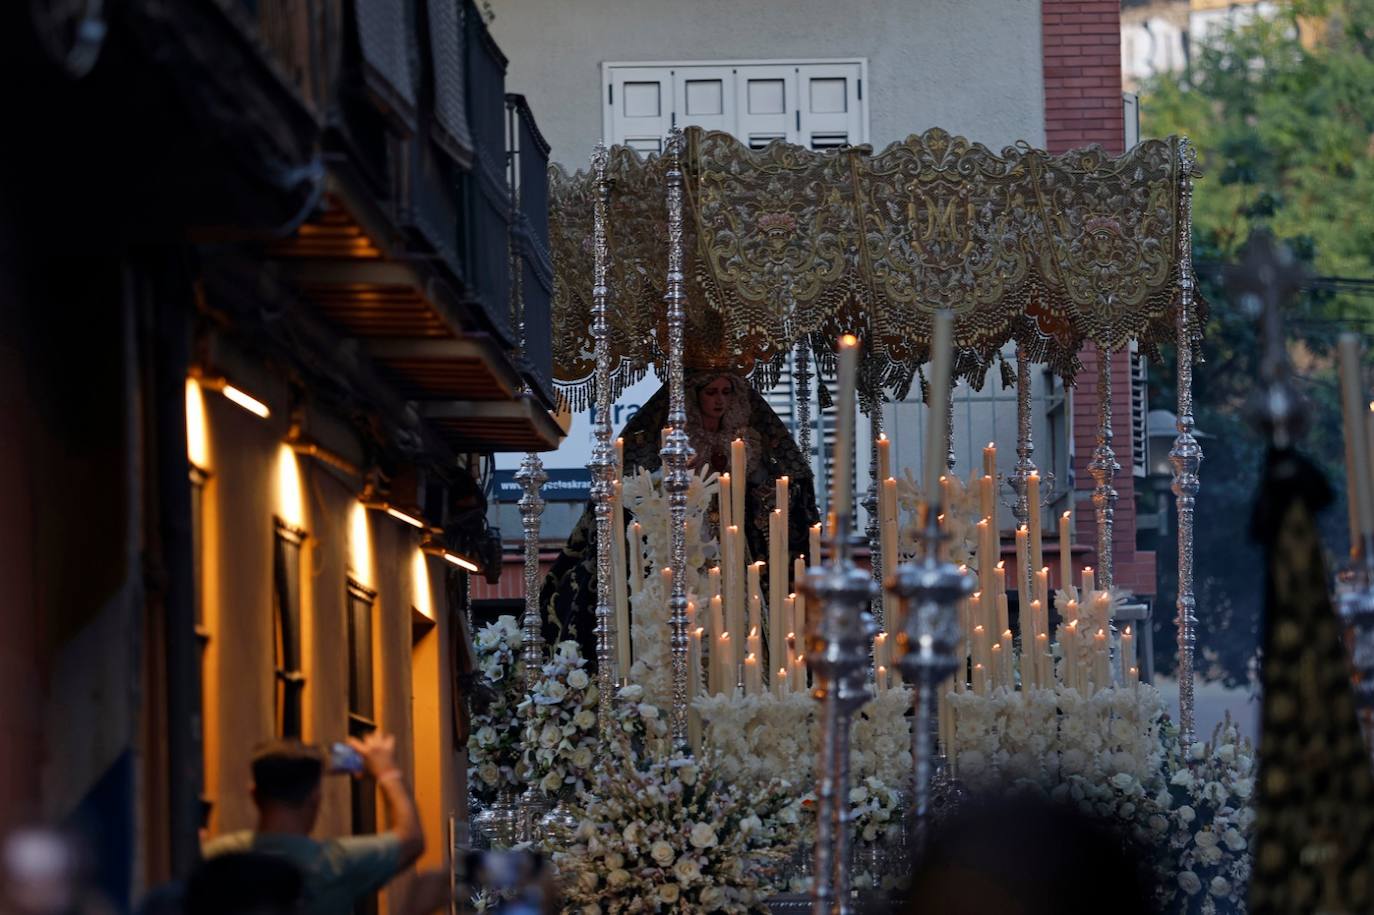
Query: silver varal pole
(677, 448)
(1186, 455)
(837, 653)
(602, 464)
(1102, 469)
(531, 477)
(1025, 445)
(931, 590)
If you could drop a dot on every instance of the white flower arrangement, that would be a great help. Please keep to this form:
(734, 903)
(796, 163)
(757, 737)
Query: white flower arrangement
(756, 736)
(1115, 757)
(1008, 739)
(1210, 823)
(494, 742)
(667, 834)
(644, 496)
(559, 737)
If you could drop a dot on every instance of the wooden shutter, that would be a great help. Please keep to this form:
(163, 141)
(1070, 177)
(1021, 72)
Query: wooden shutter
(829, 113)
(705, 97)
(639, 107)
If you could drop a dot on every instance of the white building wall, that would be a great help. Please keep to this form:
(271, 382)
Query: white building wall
(972, 67)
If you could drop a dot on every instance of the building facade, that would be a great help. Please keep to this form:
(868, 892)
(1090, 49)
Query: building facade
(275, 284)
(1043, 72)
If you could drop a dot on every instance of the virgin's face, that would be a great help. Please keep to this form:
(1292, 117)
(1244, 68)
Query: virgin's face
(713, 398)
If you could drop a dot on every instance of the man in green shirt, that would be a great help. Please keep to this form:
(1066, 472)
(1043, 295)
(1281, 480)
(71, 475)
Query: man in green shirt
(337, 872)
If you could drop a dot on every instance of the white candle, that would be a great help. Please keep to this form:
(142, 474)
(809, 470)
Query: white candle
(753, 683)
(780, 684)
(635, 557)
(777, 587)
(996, 664)
(815, 557)
(694, 680)
(941, 353)
(1089, 583)
(726, 501)
(842, 489)
(1033, 505)
(739, 481)
(1102, 675)
(1127, 654)
(884, 456)
(1065, 553)
(880, 679)
(990, 460)
(723, 666)
(799, 606)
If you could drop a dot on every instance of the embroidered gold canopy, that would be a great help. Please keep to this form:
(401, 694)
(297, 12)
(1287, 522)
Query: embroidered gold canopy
(786, 245)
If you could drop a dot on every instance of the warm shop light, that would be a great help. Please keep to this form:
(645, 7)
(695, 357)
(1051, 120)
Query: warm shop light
(464, 564)
(405, 516)
(245, 400)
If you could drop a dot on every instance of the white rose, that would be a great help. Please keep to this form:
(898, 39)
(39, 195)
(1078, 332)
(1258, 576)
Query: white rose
(489, 773)
(578, 679)
(552, 781)
(632, 693)
(1189, 882)
(592, 909)
(1234, 840)
(584, 719)
(712, 898)
(631, 834)
(1123, 781)
(703, 835)
(1243, 787)
(555, 689)
(1196, 751)
(1205, 839)
(486, 735)
(858, 795)
(662, 853)
(668, 893)
(587, 881)
(1187, 814)
(582, 757)
(648, 711)
(1220, 886)
(617, 878)
(686, 870)
(550, 736)
(750, 824)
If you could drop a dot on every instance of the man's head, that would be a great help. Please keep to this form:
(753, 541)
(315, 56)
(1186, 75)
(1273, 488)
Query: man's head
(286, 782)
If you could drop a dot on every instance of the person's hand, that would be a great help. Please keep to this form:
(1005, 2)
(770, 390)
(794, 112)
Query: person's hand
(378, 751)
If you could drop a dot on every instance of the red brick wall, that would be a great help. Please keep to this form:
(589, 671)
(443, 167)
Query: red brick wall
(1082, 71)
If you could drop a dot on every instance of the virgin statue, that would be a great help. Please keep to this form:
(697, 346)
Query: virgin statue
(721, 407)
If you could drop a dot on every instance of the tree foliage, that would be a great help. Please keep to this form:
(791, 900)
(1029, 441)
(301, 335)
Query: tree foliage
(1281, 110)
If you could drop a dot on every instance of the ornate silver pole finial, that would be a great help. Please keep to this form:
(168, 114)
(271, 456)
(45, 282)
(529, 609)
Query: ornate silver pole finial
(677, 448)
(531, 477)
(873, 396)
(1103, 468)
(931, 590)
(1025, 446)
(803, 376)
(602, 464)
(1186, 455)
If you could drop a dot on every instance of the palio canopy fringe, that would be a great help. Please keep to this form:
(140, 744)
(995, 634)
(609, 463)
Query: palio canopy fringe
(786, 243)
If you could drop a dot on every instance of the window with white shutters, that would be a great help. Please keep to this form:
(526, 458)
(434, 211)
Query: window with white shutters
(818, 103)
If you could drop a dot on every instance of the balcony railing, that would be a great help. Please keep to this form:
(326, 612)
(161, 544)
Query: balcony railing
(530, 260)
(411, 99)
